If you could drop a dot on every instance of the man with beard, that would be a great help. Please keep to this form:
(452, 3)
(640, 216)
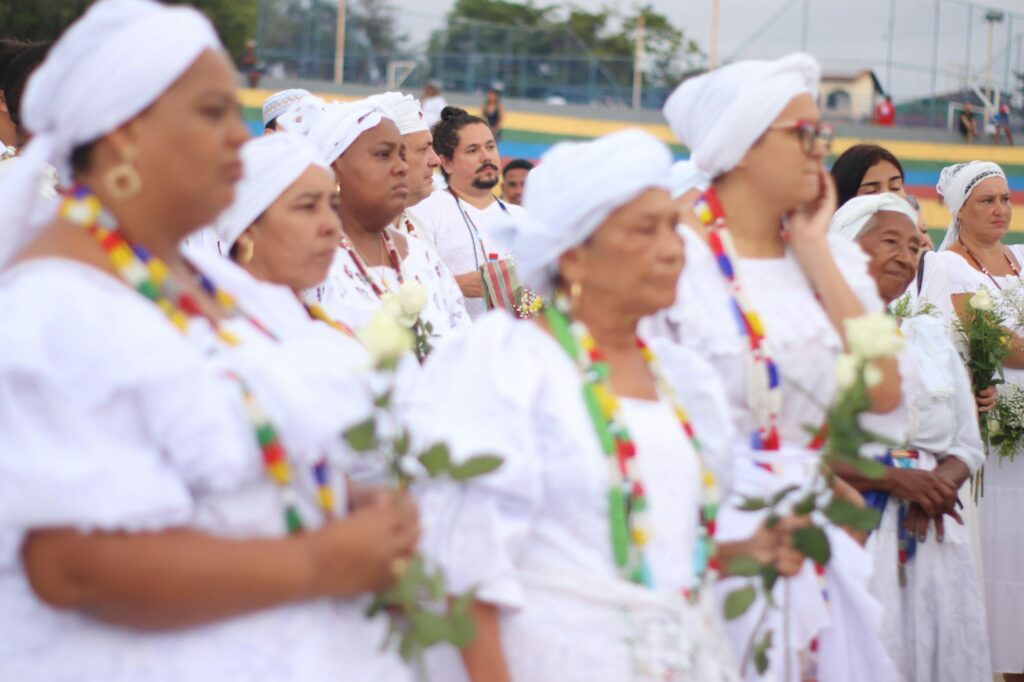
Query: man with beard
(457, 221)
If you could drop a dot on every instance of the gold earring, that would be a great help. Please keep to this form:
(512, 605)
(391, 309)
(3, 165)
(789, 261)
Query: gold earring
(123, 181)
(248, 249)
(575, 291)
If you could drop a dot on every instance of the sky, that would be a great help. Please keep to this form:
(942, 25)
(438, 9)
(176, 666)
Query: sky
(845, 35)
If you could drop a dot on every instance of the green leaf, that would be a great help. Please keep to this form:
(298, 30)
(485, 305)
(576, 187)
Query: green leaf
(761, 653)
(845, 513)
(744, 565)
(769, 576)
(383, 401)
(463, 627)
(753, 504)
(429, 628)
(806, 505)
(402, 443)
(867, 467)
(738, 601)
(475, 466)
(813, 542)
(363, 436)
(779, 496)
(437, 459)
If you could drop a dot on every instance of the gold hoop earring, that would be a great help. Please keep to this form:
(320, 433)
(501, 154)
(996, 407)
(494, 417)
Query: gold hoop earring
(123, 181)
(247, 249)
(575, 291)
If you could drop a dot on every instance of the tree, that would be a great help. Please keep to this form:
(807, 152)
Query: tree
(45, 20)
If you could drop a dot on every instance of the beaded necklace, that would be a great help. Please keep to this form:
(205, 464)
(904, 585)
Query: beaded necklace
(364, 272)
(151, 277)
(627, 496)
(318, 313)
(982, 267)
(764, 393)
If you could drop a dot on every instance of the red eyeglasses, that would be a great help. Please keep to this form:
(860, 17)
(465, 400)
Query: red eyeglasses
(810, 134)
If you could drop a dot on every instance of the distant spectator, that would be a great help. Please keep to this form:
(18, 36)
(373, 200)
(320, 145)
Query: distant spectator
(15, 78)
(1001, 125)
(867, 169)
(967, 124)
(250, 64)
(513, 180)
(9, 49)
(885, 113)
(433, 103)
(494, 112)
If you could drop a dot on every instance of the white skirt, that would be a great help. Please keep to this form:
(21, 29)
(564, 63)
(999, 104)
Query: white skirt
(1001, 526)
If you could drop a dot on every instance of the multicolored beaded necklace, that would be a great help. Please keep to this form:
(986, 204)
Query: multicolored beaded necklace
(318, 313)
(396, 262)
(151, 277)
(984, 270)
(764, 395)
(627, 496)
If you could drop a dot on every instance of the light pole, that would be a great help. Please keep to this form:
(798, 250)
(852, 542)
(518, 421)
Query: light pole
(339, 44)
(638, 57)
(714, 34)
(992, 17)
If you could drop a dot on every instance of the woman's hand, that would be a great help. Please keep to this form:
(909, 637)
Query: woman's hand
(934, 493)
(917, 520)
(769, 546)
(986, 399)
(807, 226)
(365, 551)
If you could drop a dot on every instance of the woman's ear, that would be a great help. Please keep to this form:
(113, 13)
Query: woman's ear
(572, 265)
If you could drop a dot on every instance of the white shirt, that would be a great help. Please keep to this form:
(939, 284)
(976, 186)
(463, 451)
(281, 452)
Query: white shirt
(506, 387)
(462, 238)
(346, 296)
(432, 108)
(111, 419)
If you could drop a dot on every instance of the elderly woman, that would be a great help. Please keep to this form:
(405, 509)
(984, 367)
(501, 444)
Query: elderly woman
(972, 256)
(592, 546)
(159, 453)
(924, 573)
(755, 130)
(366, 152)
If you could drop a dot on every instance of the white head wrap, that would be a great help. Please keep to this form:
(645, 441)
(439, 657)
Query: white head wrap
(271, 163)
(405, 110)
(572, 191)
(338, 125)
(853, 216)
(111, 64)
(300, 115)
(956, 184)
(279, 102)
(684, 176)
(721, 114)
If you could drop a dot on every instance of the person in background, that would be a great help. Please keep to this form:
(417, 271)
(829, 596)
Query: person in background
(433, 103)
(1001, 124)
(15, 79)
(513, 180)
(867, 169)
(967, 125)
(277, 104)
(922, 227)
(494, 112)
(250, 64)
(9, 49)
(885, 113)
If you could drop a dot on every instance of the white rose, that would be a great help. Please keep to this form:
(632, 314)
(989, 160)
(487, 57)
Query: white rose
(384, 337)
(413, 297)
(846, 370)
(994, 426)
(982, 300)
(391, 305)
(872, 376)
(871, 336)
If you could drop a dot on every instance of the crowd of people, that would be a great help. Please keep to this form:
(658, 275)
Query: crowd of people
(201, 331)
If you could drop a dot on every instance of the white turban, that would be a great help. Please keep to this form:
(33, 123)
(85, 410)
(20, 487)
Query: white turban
(853, 216)
(111, 64)
(572, 191)
(721, 114)
(404, 109)
(956, 184)
(338, 125)
(684, 176)
(271, 164)
(300, 115)
(279, 102)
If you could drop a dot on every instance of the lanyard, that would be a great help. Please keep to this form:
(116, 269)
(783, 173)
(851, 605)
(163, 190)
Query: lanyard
(472, 229)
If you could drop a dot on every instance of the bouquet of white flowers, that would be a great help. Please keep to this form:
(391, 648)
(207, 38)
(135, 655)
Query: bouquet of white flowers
(1006, 421)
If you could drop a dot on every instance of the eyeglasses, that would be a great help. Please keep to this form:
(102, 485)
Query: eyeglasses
(810, 134)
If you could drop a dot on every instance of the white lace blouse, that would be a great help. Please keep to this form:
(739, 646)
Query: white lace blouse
(111, 419)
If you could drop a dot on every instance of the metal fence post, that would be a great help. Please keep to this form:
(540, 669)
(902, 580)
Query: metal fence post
(967, 57)
(935, 64)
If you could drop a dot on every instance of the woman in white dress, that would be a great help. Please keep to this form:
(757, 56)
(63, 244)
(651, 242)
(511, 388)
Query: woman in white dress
(756, 134)
(365, 150)
(590, 546)
(972, 255)
(924, 571)
(158, 450)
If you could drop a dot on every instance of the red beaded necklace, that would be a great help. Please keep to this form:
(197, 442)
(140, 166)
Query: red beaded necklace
(396, 263)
